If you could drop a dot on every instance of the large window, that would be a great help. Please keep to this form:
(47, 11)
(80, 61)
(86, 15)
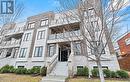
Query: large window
(52, 49)
(23, 52)
(77, 48)
(41, 34)
(27, 37)
(44, 22)
(31, 25)
(38, 51)
(99, 46)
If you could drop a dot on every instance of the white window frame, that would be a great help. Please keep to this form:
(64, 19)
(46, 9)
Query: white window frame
(31, 25)
(38, 51)
(77, 48)
(52, 49)
(27, 37)
(23, 52)
(41, 34)
(44, 22)
(127, 41)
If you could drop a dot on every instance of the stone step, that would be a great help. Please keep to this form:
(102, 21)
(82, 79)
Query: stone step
(53, 79)
(61, 69)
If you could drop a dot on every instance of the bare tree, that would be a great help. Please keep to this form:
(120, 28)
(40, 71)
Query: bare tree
(98, 19)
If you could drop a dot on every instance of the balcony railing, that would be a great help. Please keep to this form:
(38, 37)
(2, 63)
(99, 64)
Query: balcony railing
(11, 43)
(64, 35)
(14, 31)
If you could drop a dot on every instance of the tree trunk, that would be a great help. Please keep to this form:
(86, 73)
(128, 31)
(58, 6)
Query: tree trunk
(100, 71)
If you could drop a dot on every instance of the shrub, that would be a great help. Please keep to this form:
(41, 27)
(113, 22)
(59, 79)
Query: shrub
(21, 71)
(7, 69)
(86, 71)
(95, 72)
(122, 74)
(107, 73)
(28, 71)
(43, 71)
(11, 69)
(35, 70)
(113, 74)
(82, 71)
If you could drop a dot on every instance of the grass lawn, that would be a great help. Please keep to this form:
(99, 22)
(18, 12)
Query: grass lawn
(19, 78)
(94, 80)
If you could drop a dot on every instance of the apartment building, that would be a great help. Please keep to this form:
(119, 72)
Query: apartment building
(45, 40)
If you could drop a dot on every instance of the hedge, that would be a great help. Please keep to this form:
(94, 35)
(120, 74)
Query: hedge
(122, 74)
(107, 73)
(95, 72)
(82, 71)
(7, 69)
(34, 70)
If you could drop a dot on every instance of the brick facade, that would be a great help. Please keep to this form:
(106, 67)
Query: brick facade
(124, 61)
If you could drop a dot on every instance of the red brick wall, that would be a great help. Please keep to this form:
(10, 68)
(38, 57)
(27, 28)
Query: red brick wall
(124, 62)
(122, 45)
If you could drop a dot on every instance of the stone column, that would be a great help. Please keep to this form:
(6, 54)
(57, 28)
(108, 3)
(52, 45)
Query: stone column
(4, 52)
(57, 48)
(13, 53)
(71, 61)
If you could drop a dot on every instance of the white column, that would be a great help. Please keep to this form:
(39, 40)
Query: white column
(13, 52)
(72, 47)
(57, 48)
(71, 61)
(4, 52)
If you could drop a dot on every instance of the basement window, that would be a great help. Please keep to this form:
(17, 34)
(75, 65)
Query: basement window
(79, 67)
(20, 66)
(103, 67)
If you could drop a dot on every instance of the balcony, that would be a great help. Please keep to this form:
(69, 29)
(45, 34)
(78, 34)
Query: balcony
(65, 35)
(63, 21)
(14, 31)
(11, 43)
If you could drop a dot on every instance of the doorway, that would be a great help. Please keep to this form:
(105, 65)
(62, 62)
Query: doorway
(64, 52)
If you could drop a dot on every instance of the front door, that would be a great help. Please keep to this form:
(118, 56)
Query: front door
(64, 55)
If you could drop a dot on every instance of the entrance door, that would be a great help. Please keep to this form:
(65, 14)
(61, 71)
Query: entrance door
(64, 52)
(64, 55)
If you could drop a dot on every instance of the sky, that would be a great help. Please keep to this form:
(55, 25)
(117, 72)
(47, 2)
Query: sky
(34, 7)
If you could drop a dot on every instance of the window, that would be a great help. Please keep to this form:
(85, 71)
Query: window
(38, 51)
(31, 25)
(79, 67)
(44, 22)
(20, 66)
(103, 67)
(91, 12)
(52, 49)
(127, 41)
(41, 35)
(27, 37)
(77, 48)
(23, 52)
(36, 66)
(98, 45)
